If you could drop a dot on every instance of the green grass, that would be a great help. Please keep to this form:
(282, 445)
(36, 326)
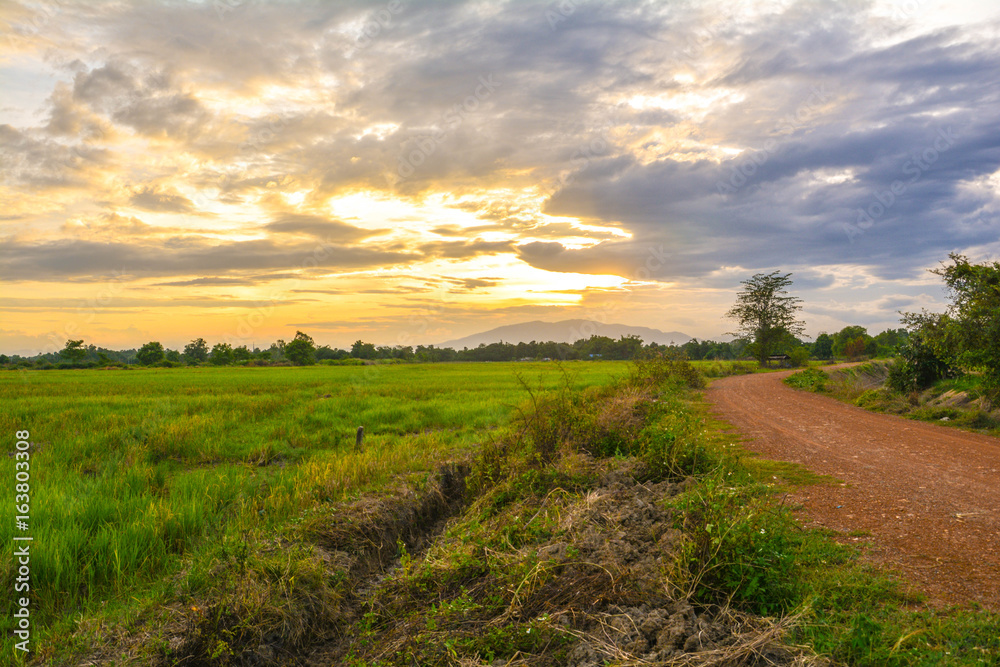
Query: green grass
(717, 369)
(208, 503)
(133, 472)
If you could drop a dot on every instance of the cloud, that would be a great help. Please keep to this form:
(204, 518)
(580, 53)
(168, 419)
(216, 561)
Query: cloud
(208, 282)
(148, 198)
(465, 249)
(472, 284)
(691, 144)
(319, 227)
(34, 162)
(89, 260)
(137, 305)
(108, 224)
(540, 249)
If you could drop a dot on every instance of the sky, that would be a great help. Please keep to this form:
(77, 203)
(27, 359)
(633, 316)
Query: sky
(410, 172)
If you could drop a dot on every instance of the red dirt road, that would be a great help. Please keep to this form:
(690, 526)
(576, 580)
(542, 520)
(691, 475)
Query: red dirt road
(928, 495)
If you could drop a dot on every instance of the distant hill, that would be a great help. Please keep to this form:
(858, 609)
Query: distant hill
(567, 331)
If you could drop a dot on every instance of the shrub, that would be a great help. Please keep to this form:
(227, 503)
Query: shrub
(799, 356)
(875, 399)
(721, 369)
(739, 549)
(660, 368)
(811, 379)
(917, 367)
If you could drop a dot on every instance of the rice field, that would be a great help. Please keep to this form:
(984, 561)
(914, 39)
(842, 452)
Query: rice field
(132, 471)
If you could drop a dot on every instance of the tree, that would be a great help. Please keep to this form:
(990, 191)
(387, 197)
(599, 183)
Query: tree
(765, 314)
(150, 353)
(823, 347)
(362, 350)
(174, 356)
(972, 333)
(848, 337)
(799, 356)
(887, 342)
(854, 348)
(301, 351)
(326, 352)
(74, 351)
(222, 354)
(196, 351)
(920, 359)
(241, 353)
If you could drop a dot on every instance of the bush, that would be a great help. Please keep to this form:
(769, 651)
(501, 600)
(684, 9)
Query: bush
(811, 379)
(917, 367)
(720, 369)
(739, 549)
(671, 445)
(673, 368)
(799, 356)
(875, 399)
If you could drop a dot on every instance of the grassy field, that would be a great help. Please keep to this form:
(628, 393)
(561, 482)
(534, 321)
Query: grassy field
(132, 470)
(532, 513)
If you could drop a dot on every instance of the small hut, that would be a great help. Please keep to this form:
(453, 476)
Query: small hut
(782, 360)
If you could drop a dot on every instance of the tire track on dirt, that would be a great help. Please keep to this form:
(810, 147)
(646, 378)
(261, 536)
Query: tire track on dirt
(929, 496)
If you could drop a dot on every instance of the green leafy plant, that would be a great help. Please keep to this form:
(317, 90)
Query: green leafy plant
(739, 549)
(812, 379)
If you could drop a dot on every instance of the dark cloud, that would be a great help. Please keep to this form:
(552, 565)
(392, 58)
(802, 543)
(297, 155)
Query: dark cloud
(138, 305)
(149, 102)
(37, 162)
(465, 249)
(540, 249)
(801, 201)
(179, 256)
(325, 228)
(472, 284)
(148, 198)
(208, 282)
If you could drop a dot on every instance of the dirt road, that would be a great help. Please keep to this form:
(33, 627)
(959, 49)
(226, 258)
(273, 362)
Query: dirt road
(928, 495)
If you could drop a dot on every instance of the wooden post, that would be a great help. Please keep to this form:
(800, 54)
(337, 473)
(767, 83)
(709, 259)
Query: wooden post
(361, 435)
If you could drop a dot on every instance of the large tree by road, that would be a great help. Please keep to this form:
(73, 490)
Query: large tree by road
(765, 314)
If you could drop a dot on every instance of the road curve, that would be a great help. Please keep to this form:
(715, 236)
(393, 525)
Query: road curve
(927, 495)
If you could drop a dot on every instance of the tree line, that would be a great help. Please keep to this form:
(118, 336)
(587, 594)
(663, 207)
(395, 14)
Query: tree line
(930, 346)
(851, 342)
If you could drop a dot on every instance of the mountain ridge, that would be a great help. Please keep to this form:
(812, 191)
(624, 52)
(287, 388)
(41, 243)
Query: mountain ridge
(564, 331)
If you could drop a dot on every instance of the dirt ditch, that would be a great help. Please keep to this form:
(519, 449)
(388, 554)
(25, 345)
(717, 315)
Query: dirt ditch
(576, 562)
(352, 545)
(572, 574)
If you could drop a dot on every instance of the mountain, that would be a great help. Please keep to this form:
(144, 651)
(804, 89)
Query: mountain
(567, 331)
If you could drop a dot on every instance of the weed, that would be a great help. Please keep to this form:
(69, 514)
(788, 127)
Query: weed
(811, 379)
(739, 550)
